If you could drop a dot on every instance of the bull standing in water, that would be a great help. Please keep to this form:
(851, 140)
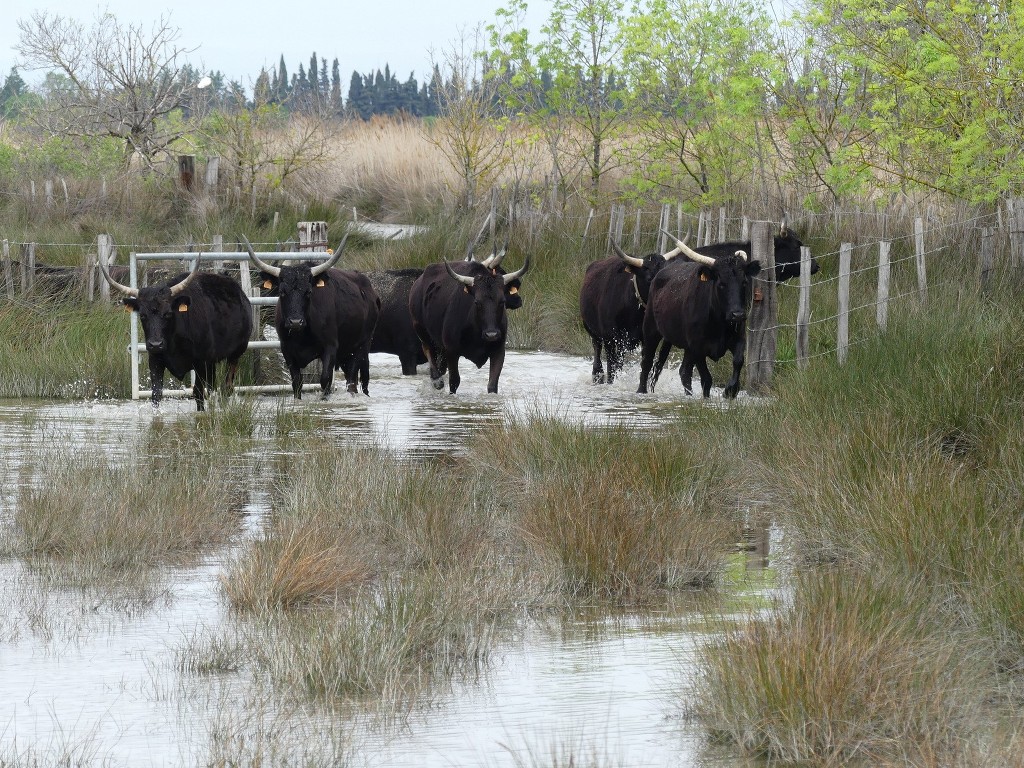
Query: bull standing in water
(191, 323)
(326, 314)
(458, 310)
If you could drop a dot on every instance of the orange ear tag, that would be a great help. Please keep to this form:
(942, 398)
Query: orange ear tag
(128, 308)
(320, 283)
(513, 290)
(465, 289)
(183, 307)
(267, 284)
(628, 270)
(703, 277)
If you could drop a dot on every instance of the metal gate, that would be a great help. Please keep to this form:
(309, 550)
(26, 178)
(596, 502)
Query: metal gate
(137, 348)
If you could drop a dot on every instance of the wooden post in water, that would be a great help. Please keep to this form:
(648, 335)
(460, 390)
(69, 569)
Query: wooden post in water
(988, 254)
(922, 279)
(803, 314)
(8, 276)
(762, 322)
(882, 307)
(843, 334)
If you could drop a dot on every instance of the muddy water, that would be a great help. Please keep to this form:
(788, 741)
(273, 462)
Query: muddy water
(93, 679)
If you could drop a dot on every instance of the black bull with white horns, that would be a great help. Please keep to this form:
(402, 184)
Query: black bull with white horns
(458, 310)
(191, 322)
(394, 334)
(323, 313)
(612, 300)
(698, 305)
(787, 252)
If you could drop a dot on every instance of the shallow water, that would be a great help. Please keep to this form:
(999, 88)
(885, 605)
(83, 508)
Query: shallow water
(94, 677)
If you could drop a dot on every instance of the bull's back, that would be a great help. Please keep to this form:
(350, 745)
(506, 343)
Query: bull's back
(605, 305)
(219, 322)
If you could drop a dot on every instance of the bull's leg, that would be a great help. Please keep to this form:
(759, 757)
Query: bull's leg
(454, 379)
(732, 387)
(408, 360)
(686, 372)
(646, 361)
(156, 377)
(229, 376)
(613, 353)
(662, 357)
(437, 366)
(597, 370)
(705, 375)
(327, 363)
(296, 375)
(364, 371)
(497, 363)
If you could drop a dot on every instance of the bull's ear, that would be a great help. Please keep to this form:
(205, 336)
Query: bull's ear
(753, 268)
(131, 303)
(181, 303)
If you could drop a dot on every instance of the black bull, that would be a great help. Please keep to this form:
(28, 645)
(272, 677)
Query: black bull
(458, 310)
(394, 334)
(326, 314)
(701, 307)
(612, 300)
(191, 322)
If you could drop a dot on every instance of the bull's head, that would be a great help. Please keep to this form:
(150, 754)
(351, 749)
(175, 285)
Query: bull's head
(294, 285)
(157, 306)
(644, 270)
(488, 288)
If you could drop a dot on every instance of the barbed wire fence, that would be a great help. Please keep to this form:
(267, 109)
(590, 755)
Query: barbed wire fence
(887, 266)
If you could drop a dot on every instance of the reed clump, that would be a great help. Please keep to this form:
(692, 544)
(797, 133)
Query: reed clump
(856, 667)
(109, 515)
(620, 513)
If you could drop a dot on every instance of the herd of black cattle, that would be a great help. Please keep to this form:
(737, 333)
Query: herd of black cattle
(694, 299)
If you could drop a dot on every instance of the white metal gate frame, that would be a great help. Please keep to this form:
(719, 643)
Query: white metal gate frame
(136, 347)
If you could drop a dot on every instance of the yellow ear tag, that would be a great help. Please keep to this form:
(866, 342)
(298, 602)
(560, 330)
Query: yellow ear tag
(513, 290)
(320, 283)
(183, 307)
(465, 289)
(629, 270)
(267, 284)
(703, 277)
(128, 309)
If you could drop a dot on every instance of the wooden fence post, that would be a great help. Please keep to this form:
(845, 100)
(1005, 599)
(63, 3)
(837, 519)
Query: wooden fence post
(922, 279)
(636, 233)
(721, 224)
(763, 323)
(745, 229)
(8, 276)
(662, 242)
(882, 307)
(312, 236)
(89, 275)
(103, 257)
(28, 266)
(1015, 217)
(212, 173)
(48, 191)
(700, 230)
(843, 334)
(803, 314)
(586, 229)
(217, 246)
(988, 257)
(187, 172)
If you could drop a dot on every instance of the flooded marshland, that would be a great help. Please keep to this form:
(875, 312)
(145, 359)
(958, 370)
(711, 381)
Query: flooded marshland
(147, 668)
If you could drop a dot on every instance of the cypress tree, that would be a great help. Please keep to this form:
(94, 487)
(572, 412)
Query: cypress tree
(336, 105)
(283, 84)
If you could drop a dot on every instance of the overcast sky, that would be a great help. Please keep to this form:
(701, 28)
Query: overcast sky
(240, 37)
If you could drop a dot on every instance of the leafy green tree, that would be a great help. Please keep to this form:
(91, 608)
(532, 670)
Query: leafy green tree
(580, 49)
(943, 89)
(13, 94)
(697, 71)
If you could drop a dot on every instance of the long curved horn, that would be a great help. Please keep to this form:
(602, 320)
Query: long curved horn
(519, 272)
(496, 256)
(179, 287)
(321, 268)
(464, 279)
(633, 261)
(675, 251)
(275, 271)
(686, 250)
(122, 288)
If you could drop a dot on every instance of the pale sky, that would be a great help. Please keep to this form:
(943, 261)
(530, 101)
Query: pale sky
(238, 38)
